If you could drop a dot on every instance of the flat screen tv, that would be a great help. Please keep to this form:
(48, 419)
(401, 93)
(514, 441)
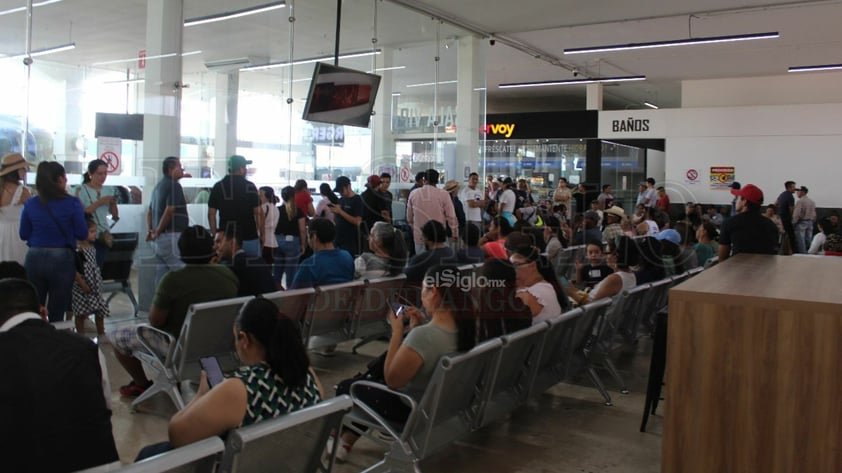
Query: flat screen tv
(341, 96)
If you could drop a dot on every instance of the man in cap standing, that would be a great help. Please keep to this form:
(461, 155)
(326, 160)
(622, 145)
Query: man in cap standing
(748, 231)
(238, 203)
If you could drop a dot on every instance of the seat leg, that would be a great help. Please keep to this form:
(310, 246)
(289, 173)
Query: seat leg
(127, 288)
(592, 374)
(609, 365)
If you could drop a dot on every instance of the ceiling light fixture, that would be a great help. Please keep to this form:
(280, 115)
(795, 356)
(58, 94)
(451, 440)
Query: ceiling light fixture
(426, 84)
(298, 62)
(595, 80)
(20, 9)
(823, 67)
(393, 68)
(679, 42)
(234, 14)
(148, 58)
(125, 81)
(45, 51)
(651, 105)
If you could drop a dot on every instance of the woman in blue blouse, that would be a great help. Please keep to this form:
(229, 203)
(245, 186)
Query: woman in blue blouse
(50, 224)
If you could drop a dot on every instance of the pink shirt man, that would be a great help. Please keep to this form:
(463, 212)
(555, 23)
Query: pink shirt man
(430, 203)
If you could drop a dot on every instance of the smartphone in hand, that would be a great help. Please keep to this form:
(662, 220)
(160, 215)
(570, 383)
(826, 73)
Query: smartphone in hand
(211, 366)
(398, 309)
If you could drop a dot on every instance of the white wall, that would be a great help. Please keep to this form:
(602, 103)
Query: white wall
(656, 161)
(767, 145)
(793, 88)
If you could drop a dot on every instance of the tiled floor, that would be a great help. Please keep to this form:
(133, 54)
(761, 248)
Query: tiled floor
(567, 429)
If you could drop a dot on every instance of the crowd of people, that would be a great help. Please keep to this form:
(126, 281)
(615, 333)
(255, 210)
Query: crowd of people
(259, 243)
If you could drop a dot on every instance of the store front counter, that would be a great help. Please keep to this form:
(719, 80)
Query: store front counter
(754, 368)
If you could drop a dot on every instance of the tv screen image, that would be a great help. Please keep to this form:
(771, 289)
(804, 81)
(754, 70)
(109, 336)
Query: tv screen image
(341, 96)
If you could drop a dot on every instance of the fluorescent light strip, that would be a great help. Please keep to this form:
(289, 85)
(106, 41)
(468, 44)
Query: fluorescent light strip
(20, 9)
(160, 56)
(264, 67)
(125, 81)
(823, 67)
(595, 80)
(425, 84)
(680, 42)
(45, 51)
(396, 94)
(651, 105)
(478, 89)
(234, 14)
(395, 68)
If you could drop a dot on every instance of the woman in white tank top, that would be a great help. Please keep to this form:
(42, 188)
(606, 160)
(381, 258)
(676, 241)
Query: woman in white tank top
(622, 278)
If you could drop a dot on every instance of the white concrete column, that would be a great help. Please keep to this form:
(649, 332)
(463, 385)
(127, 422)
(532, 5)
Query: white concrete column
(382, 140)
(470, 75)
(594, 101)
(161, 111)
(225, 137)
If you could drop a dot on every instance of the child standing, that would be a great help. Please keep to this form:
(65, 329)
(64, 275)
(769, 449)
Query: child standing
(87, 289)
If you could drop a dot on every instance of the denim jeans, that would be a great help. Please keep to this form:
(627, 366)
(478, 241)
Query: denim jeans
(252, 248)
(51, 271)
(167, 255)
(286, 258)
(803, 235)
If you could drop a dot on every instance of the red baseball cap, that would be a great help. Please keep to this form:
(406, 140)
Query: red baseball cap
(373, 180)
(751, 193)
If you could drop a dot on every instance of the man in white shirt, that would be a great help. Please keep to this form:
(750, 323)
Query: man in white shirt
(473, 201)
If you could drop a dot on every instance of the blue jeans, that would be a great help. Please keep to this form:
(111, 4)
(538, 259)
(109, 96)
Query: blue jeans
(286, 258)
(252, 248)
(167, 255)
(51, 271)
(803, 235)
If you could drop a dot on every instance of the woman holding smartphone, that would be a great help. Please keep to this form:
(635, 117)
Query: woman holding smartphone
(411, 360)
(275, 379)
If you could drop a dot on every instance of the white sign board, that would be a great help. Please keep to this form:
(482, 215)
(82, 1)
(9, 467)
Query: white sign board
(110, 150)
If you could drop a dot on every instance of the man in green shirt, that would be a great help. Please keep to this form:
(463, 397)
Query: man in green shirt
(198, 281)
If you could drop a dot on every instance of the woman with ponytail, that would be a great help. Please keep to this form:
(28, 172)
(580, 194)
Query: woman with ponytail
(275, 379)
(291, 235)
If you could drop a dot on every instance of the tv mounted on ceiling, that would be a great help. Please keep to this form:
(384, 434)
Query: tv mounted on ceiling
(341, 96)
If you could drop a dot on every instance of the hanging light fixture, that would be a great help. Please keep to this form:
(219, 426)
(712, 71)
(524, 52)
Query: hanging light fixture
(678, 42)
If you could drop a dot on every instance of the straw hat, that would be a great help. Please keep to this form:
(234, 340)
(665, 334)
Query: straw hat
(13, 162)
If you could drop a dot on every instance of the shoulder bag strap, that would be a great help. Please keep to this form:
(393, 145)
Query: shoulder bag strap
(63, 233)
(96, 217)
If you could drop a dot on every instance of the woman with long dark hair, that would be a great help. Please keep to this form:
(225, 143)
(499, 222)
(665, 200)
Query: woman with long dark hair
(269, 209)
(538, 288)
(388, 253)
(275, 378)
(99, 201)
(499, 309)
(328, 197)
(290, 233)
(51, 223)
(410, 361)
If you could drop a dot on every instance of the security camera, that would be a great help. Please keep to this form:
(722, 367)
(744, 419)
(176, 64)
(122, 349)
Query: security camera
(575, 72)
(492, 41)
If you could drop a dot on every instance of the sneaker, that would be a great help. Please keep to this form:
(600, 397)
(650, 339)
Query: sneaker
(132, 389)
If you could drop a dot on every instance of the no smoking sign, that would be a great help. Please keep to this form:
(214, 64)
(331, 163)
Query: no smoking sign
(112, 160)
(692, 175)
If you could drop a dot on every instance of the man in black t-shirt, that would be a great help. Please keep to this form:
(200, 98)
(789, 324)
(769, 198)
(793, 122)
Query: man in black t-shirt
(238, 203)
(348, 217)
(748, 231)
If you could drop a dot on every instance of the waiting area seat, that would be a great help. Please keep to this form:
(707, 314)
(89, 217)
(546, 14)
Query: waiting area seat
(198, 457)
(291, 443)
(118, 268)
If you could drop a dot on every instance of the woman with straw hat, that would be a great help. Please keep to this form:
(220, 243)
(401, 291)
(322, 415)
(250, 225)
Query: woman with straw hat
(14, 193)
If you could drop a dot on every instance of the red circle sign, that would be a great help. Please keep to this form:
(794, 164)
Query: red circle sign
(692, 174)
(112, 160)
(404, 174)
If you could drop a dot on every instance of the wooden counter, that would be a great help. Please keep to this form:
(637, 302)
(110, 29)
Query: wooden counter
(754, 368)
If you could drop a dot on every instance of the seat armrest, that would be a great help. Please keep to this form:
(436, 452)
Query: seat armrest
(373, 414)
(170, 340)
